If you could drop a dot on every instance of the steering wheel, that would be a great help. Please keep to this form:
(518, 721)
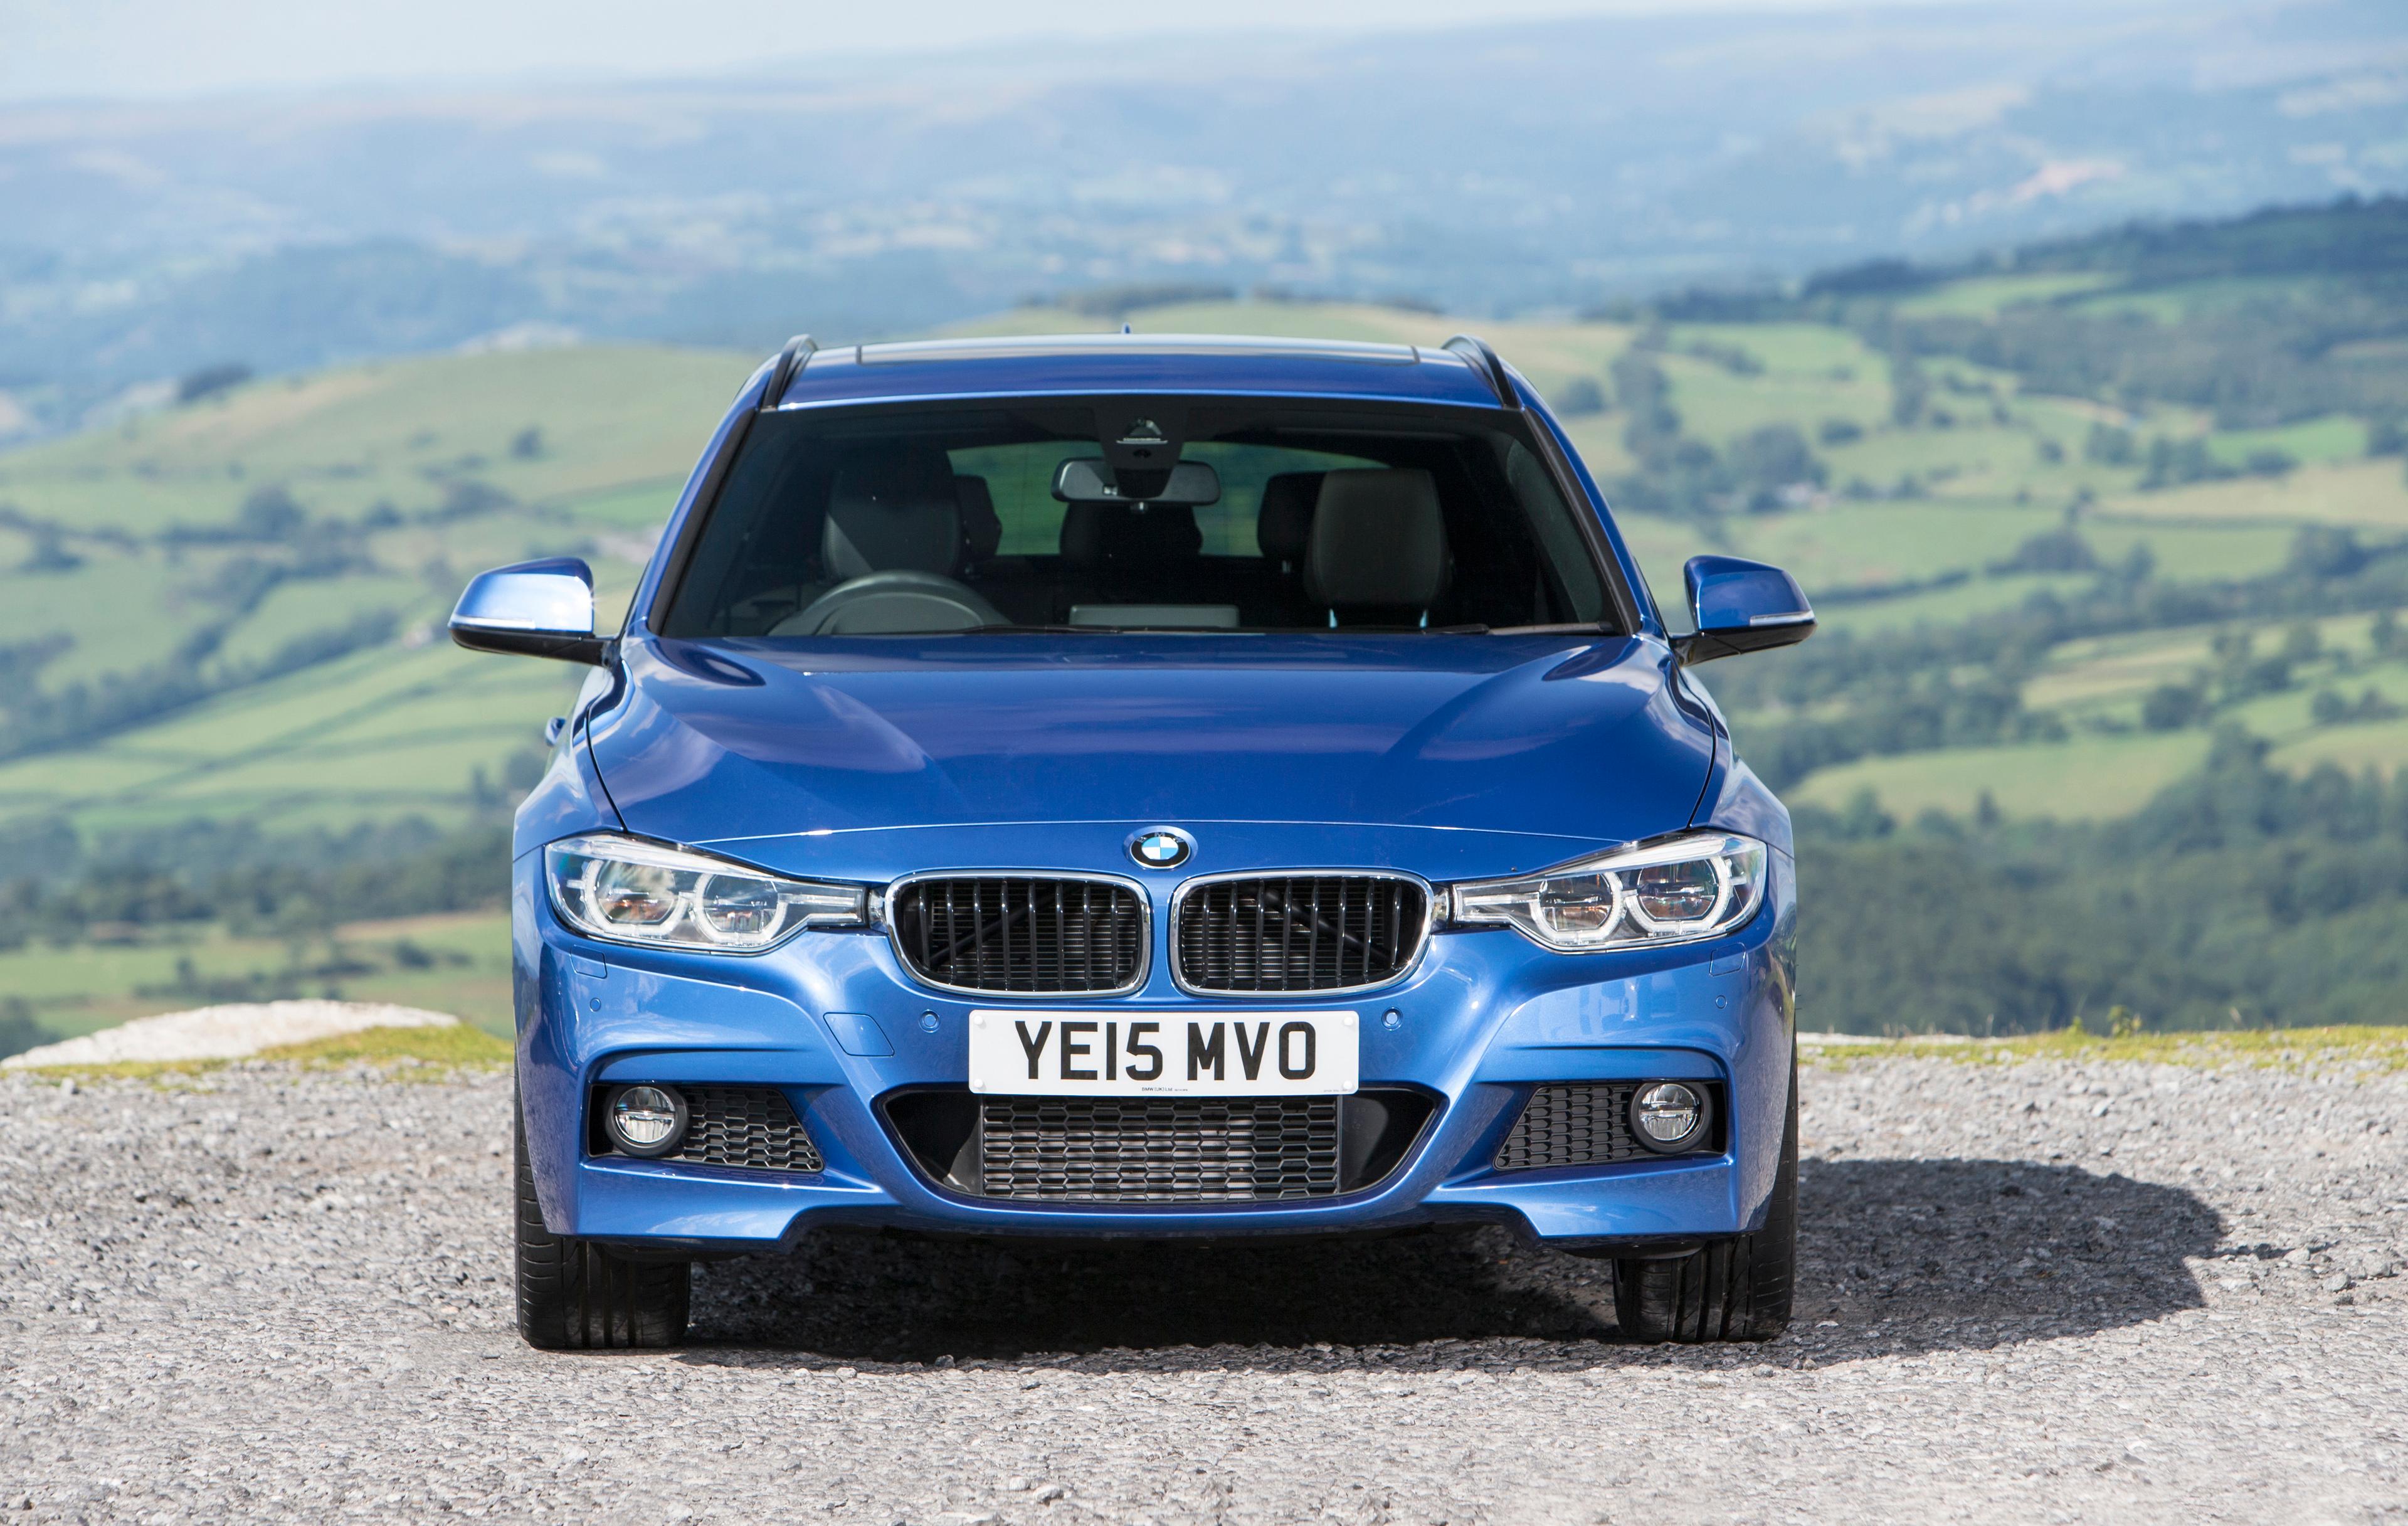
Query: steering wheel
(899, 601)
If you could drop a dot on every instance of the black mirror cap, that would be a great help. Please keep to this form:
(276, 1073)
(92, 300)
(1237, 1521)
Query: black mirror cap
(1706, 645)
(594, 651)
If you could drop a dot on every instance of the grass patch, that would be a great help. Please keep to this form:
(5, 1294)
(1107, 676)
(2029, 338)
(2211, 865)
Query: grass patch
(1983, 296)
(455, 1048)
(2089, 778)
(2368, 494)
(165, 1072)
(2382, 1049)
(2380, 745)
(413, 1054)
(2329, 440)
(1864, 544)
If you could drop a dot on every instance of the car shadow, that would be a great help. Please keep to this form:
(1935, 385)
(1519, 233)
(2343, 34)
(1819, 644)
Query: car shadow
(1897, 1256)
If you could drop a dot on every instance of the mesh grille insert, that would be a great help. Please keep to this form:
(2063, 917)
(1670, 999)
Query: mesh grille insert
(1163, 1149)
(1579, 1124)
(1035, 937)
(1298, 932)
(751, 1127)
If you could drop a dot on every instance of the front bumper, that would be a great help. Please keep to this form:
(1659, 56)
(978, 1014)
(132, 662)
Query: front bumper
(1482, 1020)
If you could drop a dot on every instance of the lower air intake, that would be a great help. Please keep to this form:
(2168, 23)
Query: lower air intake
(1581, 1124)
(1086, 1149)
(752, 1127)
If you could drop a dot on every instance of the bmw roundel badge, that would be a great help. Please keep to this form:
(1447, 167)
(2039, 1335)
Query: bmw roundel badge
(1161, 847)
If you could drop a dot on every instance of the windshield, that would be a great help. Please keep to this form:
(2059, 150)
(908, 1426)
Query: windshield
(1147, 513)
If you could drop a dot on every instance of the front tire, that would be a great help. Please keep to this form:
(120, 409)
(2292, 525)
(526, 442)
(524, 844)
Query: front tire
(574, 1295)
(1737, 1289)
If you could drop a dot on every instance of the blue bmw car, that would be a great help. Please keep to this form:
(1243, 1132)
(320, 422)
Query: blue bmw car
(1148, 787)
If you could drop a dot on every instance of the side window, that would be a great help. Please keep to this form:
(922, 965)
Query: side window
(1551, 520)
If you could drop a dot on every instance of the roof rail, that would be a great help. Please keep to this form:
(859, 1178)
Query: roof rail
(799, 351)
(1484, 359)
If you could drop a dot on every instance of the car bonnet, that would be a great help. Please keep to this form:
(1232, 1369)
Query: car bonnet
(1580, 739)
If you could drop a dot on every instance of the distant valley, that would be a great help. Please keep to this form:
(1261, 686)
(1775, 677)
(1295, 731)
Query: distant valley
(1528, 170)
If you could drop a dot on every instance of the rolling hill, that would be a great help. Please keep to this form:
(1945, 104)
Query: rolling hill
(220, 622)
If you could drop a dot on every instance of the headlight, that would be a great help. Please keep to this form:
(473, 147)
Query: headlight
(1673, 892)
(636, 892)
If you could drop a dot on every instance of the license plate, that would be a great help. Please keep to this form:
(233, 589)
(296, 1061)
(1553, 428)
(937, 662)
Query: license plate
(1092, 1054)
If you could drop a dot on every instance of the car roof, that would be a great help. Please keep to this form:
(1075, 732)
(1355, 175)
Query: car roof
(1136, 363)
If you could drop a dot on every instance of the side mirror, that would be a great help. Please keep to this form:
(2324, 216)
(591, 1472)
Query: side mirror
(535, 608)
(1742, 606)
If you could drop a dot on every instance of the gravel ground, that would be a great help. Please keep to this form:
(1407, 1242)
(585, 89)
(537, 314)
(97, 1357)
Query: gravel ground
(2038, 1292)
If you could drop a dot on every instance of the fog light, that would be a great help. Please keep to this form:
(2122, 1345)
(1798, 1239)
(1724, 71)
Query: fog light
(1667, 1117)
(646, 1121)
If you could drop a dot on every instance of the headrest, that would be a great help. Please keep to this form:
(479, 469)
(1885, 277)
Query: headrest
(1126, 535)
(982, 527)
(1285, 522)
(1379, 540)
(892, 509)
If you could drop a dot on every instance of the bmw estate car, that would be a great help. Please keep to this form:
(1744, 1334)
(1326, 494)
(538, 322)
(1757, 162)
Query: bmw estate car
(1148, 787)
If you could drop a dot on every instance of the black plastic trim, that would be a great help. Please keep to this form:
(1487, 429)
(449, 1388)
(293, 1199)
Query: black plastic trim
(1707, 1142)
(603, 1147)
(792, 359)
(1634, 1247)
(1705, 647)
(594, 651)
(697, 519)
(1476, 350)
(1567, 483)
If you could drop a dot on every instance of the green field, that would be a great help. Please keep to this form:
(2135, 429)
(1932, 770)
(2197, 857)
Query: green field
(1981, 297)
(2360, 494)
(416, 474)
(2085, 780)
(458, 964)
(612, 420)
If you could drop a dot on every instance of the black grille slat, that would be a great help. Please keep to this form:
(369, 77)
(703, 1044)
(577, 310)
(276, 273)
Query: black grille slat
(1316, 932)
(1022, 935)
(1159, 1149)
(1576, 1124)
(753, 1128)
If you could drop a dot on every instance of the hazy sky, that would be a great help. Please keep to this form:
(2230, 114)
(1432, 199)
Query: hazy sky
(54, 48)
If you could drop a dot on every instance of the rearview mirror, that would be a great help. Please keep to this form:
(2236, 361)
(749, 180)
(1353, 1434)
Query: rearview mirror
(1083, 478)
(535, 609)
(1742, 606)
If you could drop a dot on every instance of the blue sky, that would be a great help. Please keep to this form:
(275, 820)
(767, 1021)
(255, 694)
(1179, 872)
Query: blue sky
(64, 49)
